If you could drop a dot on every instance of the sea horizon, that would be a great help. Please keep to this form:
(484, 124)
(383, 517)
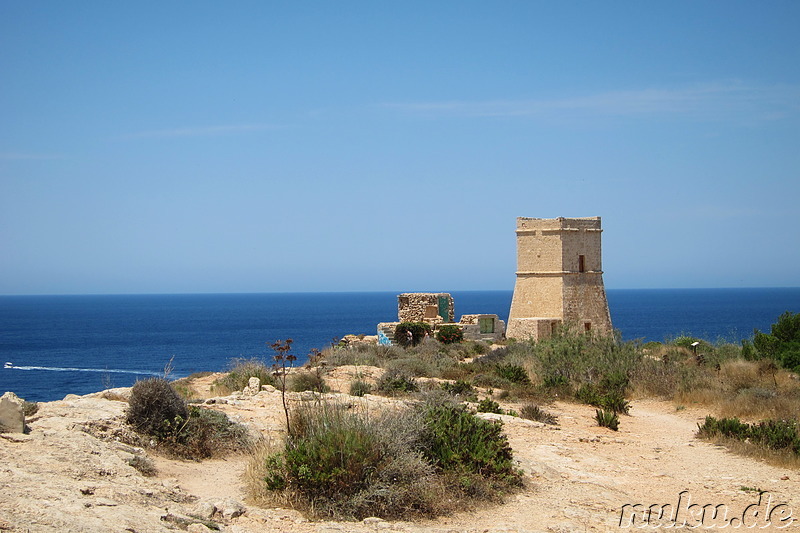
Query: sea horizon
(80, 343)
(367, 291)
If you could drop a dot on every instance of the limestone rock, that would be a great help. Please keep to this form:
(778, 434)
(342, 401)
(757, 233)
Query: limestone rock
(205, 510)
(253, 386)
(12, 417)
(229, 508)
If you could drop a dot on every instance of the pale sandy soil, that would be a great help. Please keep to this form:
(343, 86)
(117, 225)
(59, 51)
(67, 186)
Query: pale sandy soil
(63, 477)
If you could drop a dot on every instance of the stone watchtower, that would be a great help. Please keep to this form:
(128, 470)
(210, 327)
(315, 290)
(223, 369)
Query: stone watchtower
(559, 278)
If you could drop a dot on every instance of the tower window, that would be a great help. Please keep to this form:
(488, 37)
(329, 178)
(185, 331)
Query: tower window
(581, 263)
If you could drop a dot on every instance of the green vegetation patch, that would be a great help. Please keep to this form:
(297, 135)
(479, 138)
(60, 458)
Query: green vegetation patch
(772, 434)
(417, 462)
(156, 410)
(449, 334)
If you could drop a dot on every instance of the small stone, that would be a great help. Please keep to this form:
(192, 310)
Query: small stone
(230, 508)
(12, 417)
(268, 388)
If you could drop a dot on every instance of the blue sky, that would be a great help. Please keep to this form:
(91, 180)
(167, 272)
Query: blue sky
(160, 147)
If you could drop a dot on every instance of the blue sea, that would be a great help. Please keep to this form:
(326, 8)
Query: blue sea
(81, 344)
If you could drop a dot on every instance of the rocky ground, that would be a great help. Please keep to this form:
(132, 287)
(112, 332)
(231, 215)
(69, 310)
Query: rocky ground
(72, 473)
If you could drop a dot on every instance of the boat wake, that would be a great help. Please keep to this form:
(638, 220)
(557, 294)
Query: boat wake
(98, 370)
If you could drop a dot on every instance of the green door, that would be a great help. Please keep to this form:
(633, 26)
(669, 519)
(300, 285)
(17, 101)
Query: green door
(444, 308)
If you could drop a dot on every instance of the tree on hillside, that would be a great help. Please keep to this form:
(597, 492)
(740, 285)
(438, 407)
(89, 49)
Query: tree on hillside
(782, 343)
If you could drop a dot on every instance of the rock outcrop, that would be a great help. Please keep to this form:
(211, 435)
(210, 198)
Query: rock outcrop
(12, 414)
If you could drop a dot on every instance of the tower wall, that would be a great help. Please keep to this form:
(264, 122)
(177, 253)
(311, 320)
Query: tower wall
(559, 277)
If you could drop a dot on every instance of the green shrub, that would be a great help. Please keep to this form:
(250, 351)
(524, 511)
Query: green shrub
(395, 381)
(513, 373)
(686, 342)
(607, 419)
(419, 331)
(155, 408)
(412, 366)
(206, 433)
(459, 442)
(338, 463)
(449, 334)
(555, 381)
(426, 461)
(360, 388)
(303, 381)
(534, 412)
(459, 388)
(773, 434)
(158, 411)
(609, 399)
(487, 405)
(567, 359)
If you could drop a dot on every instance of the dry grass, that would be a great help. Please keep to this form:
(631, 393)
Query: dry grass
(239, 373)
(751, 390)
(114, 396)
(779, 458)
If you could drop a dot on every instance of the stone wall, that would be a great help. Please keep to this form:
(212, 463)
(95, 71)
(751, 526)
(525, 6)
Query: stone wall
(425, 307)
(476, 327)
(559, 277)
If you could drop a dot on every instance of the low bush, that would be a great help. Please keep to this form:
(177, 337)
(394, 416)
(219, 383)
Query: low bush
(412, 366)
(457, 441)
(303, 381)
(610, 400)
(394, 381)
(449, 334)
(360, 388)
(421, 462)
(607, 419)
(156, 410)
(487, 405)
(460, 389)
(513, 373)
(772, 434)
(144, 465)
(532, 411)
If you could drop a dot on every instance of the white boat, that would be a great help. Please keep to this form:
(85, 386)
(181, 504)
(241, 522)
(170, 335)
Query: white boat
(8, 365)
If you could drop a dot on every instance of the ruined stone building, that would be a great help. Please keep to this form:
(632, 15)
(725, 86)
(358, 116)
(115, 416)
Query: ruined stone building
(436, 309)
(559, 278)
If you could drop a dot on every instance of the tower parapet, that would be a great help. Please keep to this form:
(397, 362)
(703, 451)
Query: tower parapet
(559, 278)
